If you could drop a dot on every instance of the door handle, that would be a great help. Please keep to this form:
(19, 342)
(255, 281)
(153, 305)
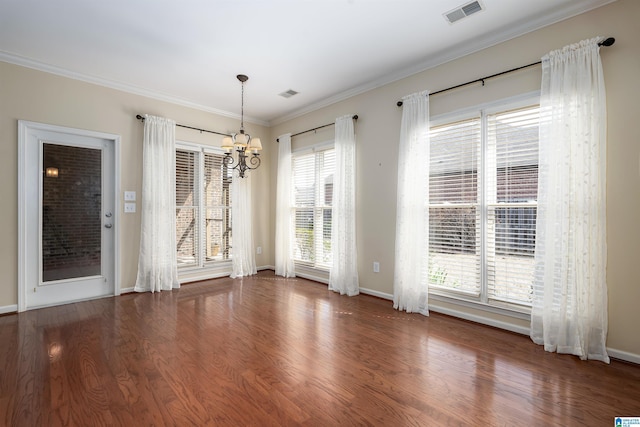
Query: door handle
(108, 225)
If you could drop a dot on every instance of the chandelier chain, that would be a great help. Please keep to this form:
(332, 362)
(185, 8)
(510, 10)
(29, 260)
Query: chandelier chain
(242, 108)
(246, 148)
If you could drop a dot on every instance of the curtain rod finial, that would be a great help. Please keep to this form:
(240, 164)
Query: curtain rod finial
(607, 42)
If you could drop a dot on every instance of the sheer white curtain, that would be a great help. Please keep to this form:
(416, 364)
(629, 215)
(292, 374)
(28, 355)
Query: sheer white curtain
(569, 313)
(243, 259)
(410, 280)
(343, 277)
(284, 227)
(157, 262)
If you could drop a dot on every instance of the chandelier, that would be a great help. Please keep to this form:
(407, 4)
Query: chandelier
(245, 146)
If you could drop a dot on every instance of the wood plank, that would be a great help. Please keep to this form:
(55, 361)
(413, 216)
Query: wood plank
(265, 350)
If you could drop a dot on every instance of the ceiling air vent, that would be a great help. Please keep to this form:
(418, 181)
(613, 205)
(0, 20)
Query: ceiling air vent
(463, 11)
(288, 94)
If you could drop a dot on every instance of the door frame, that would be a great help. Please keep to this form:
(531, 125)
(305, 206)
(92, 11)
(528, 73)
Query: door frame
(24, 129)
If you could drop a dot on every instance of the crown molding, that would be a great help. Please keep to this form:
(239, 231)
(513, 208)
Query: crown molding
(123, 87)
(452, 54)
(436, 60)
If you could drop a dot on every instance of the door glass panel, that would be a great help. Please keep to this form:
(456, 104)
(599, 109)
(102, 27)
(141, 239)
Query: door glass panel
(71, 212)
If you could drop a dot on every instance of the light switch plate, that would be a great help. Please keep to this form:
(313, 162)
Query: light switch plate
(129, 196)
(129, 207)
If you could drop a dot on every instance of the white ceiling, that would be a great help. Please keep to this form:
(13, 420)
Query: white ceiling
(190, 51)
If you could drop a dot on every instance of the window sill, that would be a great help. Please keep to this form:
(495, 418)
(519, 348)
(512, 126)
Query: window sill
(208, 271)
(502, 309)
(317, 274)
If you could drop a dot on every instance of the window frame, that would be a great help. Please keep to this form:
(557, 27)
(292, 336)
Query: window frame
(466, 299)
(202, 264)
(318, 209)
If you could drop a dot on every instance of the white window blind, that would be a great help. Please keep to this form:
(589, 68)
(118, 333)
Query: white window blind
(483, 184)
(187, 207)
(217, 205)
(203, 210)
(313, 192)
(454, 210)
(512, 193)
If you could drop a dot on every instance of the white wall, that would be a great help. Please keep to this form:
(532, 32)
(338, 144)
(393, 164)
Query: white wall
(36, 96)
(27, 94)
(377, 154)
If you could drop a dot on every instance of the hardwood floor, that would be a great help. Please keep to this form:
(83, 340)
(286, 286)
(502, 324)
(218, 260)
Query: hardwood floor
(269, 351)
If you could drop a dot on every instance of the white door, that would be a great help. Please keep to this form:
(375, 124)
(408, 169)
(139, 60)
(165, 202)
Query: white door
(67, 215)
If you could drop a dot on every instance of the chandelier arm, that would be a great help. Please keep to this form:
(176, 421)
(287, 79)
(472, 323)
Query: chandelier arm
(229, 162)
(255, 161)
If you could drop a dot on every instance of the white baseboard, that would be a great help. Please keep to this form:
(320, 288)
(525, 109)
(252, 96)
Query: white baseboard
(613, 353)
(456, 313)
(207, 276)
(624, 355)
(460, 314)
(310, 276)
(481, 319)
(215, 275)
(13, 308)
(378, 294)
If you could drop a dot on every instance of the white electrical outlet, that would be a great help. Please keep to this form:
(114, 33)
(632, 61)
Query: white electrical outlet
(259, 250)
(130, 207)
(129, 196)
(376, 267)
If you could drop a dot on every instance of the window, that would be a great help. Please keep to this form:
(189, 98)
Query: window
(203, 207)
(482, 206)
(313, 192)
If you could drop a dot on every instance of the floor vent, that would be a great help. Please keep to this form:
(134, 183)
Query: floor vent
(463, 11)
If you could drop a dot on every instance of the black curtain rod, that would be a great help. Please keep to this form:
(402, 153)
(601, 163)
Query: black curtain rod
(607, 42)
(139, 117)
(355, 117)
